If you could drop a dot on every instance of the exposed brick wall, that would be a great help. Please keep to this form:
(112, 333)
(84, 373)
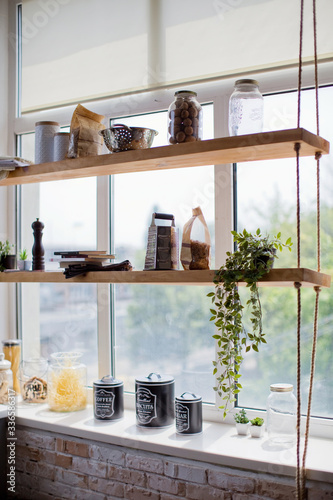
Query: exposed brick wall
(56, 467)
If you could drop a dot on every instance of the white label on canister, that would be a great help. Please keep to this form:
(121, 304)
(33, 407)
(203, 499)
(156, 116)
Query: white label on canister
(104, 403)
(145, 405)
(182, 417)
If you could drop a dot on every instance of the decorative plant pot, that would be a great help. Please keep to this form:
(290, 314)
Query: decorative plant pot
(20, 265)
(27, 265)
(257, 431)
(9, 262)
(242, 429)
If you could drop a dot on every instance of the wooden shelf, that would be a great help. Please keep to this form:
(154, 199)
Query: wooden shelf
(276, 277)
(264, 146)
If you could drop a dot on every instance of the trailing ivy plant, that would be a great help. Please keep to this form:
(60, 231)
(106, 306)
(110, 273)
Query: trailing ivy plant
(252, 259)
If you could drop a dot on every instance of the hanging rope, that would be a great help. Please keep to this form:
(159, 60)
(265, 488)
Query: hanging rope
(298, 422)
(301, 467)
(300, 65)
(297, 148)
(313, 360)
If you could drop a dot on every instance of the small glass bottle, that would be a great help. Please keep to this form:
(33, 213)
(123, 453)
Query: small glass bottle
(67, 382)
(281, 415)
(246, 108)
(6, 378)
(185, 118)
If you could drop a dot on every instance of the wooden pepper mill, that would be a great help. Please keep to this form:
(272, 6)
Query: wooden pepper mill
(38, 263)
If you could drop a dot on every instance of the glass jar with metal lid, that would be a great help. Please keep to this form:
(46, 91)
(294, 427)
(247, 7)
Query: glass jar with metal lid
(246, 108)
(281, 415)
(12, 351)
(108, 398)
(185, 118)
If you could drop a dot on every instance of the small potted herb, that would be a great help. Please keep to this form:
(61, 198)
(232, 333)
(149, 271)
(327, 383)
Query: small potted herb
(22, 263)
(257, 427)
(242, 423)
(7, 260)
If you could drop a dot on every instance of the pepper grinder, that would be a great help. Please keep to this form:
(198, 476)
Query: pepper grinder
(38, 263)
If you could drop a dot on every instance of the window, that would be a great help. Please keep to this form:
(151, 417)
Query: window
(267, 199)
(149, 328)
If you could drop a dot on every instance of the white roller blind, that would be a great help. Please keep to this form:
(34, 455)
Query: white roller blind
(78, 49)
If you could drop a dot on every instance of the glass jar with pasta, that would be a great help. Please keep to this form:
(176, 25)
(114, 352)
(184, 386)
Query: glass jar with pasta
(67, 380)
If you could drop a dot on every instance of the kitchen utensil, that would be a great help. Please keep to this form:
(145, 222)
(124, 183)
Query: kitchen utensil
(120, 137)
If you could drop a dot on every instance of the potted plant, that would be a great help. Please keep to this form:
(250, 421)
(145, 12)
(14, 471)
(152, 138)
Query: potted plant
(257, 427)
(22, 263)
(7, 260)
(242, 422)
(252, 259)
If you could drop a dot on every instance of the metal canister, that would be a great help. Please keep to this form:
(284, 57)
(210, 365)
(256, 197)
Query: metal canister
(108, 398)
(44, 141)
(188, 409)
(154, 400)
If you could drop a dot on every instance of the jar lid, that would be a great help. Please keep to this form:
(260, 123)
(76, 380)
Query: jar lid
(187, 92)
(281, 387)
(108, 380)
(47, 123)
(65, 357)
(4, 363)
(189, 397)
(11, 342)
(155, 379)
(246, 81)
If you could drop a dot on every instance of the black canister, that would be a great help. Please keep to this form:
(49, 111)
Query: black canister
(188, 409)
(108, 398)
(154, 400)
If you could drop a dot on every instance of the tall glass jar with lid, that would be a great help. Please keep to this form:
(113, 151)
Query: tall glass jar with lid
(6, 379)
(185, 118)
(67, 382)
(281, 415)
(246, 108)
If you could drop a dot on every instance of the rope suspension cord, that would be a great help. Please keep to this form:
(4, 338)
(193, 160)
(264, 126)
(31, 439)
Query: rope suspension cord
(300, 468)
(297, 148)
(298, 422)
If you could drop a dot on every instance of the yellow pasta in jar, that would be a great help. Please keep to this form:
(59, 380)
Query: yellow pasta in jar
(67, 383)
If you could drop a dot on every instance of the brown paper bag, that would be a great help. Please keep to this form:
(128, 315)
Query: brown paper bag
(84, 139)
(195, 252)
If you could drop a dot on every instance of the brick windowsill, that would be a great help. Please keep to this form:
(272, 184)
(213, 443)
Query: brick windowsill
(218, 444)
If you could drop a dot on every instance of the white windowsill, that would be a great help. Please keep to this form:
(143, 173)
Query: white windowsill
(218, 444)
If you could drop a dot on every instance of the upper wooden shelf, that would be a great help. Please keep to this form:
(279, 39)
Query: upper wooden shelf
(276, 277)
(263, 146)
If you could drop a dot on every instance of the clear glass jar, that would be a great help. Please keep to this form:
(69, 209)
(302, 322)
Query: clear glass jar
(185, 118)
(33, 375)
(12, 352)
(6, 378)
(281, 415)
(246, 108)
(67, 381)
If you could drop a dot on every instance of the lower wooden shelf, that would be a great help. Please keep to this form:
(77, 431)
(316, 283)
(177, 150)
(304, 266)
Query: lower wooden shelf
(275, 278)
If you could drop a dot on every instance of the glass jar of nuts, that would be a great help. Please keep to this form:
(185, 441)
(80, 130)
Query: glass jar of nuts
(185, 118)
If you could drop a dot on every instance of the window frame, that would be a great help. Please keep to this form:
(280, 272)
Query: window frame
(216, 91)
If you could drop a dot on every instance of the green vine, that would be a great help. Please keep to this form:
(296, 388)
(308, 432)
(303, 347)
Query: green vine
(253, 258)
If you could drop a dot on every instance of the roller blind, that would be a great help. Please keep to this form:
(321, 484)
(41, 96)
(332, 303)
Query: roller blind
(74, 50)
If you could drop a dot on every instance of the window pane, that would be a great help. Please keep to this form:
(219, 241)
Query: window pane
(64, 315)
(267, 199)
(162, 328)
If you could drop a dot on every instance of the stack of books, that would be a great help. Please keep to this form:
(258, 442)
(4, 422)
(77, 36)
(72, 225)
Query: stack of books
(98, 257)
